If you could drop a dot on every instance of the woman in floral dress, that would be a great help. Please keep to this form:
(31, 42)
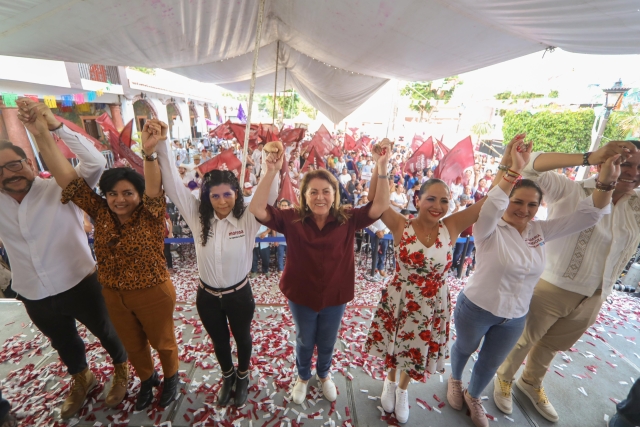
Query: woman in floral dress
(410, 329)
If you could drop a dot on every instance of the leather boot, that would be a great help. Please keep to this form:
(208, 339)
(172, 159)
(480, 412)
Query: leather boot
(81, 384)
(169, 390)
(118, 385)
(145, 395)
(242, 389)
(224, 395)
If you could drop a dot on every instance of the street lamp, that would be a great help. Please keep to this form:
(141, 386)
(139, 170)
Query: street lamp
(613, 95)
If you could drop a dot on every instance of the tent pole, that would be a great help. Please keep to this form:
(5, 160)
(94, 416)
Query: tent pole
(247, 129)
(275, 84)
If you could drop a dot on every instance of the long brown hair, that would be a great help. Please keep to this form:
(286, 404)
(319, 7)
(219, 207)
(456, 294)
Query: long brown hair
(336, 210)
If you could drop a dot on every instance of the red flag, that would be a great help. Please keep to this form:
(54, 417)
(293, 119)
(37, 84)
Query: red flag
(418, 160)
(313, 159)
(456, 161)
(74, 127)
(238, 131)
(364, 144)
(350, 144)
(119, 147)
(353, 130)
(223, 131)
(289, 136)
(288, 190)
(323, 143)
(225, 161)
(440, 150)
(416, 142)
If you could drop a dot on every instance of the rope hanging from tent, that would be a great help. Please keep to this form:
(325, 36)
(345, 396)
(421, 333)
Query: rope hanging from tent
(275, 84)
(252, 88)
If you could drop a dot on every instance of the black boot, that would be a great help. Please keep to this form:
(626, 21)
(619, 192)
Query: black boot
(224, 395)
(242, 389)
(169, 391)
(145, 395)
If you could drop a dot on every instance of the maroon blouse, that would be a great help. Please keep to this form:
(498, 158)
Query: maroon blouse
(320, 267)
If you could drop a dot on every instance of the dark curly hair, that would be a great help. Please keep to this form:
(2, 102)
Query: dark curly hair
(111, 177)
(212, 179)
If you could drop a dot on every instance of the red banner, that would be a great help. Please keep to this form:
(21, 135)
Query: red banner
(288, 190)
(456, 161)
(225, 161)
(289, 136)
(121, 142)
(74, 127)
(350, 144)
(313, 159)
(440, 150)
(418, 161)
(416, 142)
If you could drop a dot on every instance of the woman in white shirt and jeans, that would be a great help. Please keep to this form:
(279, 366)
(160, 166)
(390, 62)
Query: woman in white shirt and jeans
(510, 260)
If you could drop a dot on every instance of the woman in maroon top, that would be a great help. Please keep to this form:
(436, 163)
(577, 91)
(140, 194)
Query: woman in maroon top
(319, 275)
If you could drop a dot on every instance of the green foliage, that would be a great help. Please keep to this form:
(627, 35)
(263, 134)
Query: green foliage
(288, 105)
(553, 94)
(481, 129)
(150, 71)
(424, 96)
(563, 132)
(522, 95)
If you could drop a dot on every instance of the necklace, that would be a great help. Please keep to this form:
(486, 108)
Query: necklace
(431, 232)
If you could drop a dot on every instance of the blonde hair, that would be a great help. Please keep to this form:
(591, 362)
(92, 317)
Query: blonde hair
(336, 210)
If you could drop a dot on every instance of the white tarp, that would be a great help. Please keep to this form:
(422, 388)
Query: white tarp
(337, 52)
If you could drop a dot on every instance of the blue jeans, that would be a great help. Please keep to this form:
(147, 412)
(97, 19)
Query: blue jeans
(457, 253)
(500, 335)
(628, 414)
(384, 245)
(315, 329)
(5, 407)
(282, 249)
(264, 254)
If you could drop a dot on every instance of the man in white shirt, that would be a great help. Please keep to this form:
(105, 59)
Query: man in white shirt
(247, 193)
(250, 176)
(340, 164)
(580, 270)
(53, 271)
(344, 178)
(457, 189)
(256, 156)
(380, 230)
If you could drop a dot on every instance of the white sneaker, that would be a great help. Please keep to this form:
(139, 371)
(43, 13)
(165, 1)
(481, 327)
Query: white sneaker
(388, 398)
(299, 392)
(402, 405)
(329, 389)
(377, 277)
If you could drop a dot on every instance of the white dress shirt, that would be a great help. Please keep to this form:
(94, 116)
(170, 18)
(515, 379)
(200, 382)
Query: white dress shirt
(45, 240)
(509, 264)
(399, 198)
(226, 258)
(593, 259)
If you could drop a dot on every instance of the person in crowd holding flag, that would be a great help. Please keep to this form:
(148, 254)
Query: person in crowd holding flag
(224, 236)
(510, 260)
(319, 276)
(129, 246)
(410, 328)
(53, 271)
(581, 269)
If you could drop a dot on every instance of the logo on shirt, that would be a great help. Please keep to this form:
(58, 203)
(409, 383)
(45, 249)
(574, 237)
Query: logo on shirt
(535, 241)
(236, 234)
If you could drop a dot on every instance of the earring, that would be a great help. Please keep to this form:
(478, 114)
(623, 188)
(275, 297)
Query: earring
(307, 207)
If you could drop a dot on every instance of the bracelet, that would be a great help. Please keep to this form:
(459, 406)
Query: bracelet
(585, 158)
(502, 167)
(383, 176)
(59, 127)
(513, 173)
(605, 187)
(510, 182)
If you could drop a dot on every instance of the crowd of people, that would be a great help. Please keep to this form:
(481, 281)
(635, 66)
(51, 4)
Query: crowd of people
(539, 281)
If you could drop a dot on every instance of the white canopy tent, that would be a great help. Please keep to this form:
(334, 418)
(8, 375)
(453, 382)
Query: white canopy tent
(337, 53)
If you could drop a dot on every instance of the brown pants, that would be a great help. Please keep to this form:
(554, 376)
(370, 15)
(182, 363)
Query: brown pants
(556, 320)
(144, 317)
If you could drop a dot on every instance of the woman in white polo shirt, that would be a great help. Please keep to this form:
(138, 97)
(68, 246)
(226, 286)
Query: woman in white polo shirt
(510, 260)
(224, 232)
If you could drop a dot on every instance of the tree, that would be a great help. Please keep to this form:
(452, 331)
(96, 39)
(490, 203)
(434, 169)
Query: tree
(425, 96)
(554, 94)
(481, 129)
(564, 132)
(288, 105)
(503, 96)
(150, 71)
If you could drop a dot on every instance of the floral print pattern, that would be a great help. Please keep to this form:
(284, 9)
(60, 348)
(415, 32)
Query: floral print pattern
(410, 328)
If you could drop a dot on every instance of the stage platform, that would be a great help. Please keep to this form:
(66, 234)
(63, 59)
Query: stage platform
(583, 384)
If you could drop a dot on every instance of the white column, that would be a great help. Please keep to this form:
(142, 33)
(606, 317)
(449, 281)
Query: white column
(185, 130)
(160, 108)
(128, 113)
(201, 125)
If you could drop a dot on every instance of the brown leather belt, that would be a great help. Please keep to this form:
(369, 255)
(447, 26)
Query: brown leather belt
(224, 291)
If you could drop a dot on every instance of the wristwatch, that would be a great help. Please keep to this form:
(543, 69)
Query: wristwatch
(585, 158)
(151, 157)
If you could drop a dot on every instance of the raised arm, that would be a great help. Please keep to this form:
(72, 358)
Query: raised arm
(551, 161)
(263, 193)
(153, 132)
(381, 195)
(39, 120)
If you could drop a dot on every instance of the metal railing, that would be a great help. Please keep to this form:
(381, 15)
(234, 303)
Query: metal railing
(100, 73)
